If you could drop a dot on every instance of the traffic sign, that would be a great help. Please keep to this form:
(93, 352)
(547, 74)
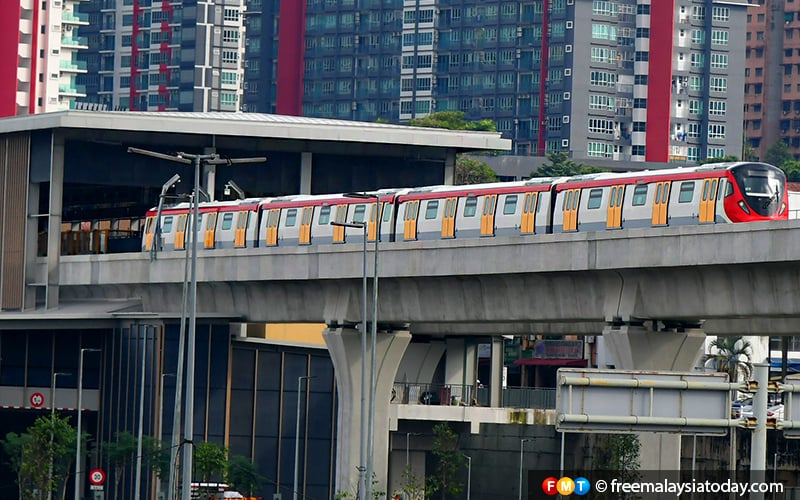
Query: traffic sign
(37, 399)
(97, 476)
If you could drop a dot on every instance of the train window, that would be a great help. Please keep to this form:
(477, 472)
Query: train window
(324, 215)
(358, 213)
(167, 225)
(728, 189)
(575, 200)
(686, 192)
(431, 209)
(211, 221)
(510, 205)
(387, 212)
(595, 197)
(705, 190)
(291, 217)
(470, 206)
(227, 221)
(639, 195)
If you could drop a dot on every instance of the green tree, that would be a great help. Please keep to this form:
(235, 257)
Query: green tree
(450, 463)
(120, 453)
(560, 165)
(210, 461)
(778, 154)
(15, 446)
(155, 456)
(792, 170)
(473, 171)
(243, 475)
(719, 159)
(732, 356)
(42, 457)
(452, 120)
(618, 453)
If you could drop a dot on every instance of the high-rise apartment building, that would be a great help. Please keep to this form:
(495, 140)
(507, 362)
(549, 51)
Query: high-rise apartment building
(627, 79)
(38, 61)
(772, 104)
(159, 55)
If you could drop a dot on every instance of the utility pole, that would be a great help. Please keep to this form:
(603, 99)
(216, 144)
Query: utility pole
(188, 426)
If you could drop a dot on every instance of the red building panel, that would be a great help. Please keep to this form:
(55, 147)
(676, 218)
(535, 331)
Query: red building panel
(291, 49)
(659, 80)
(10, 13)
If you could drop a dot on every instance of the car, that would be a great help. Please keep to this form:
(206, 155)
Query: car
(774, 411)
(737, 406)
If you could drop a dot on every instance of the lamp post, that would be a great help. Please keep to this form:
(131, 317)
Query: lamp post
(362, 467)
(160, 423)
(197, 160)
(469, 474)
(373, 334)
(80, 412)
(297, 438)
(52, 426)
(407, 445)
(521, 454)
(138, 480)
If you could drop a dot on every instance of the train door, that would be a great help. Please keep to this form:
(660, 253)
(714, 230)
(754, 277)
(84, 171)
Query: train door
(528, 224)
(570, 208)
(273, 218)
(487, 218)
(410, 220)
(614, 215)
(660, 202)
(305, 225)
(341, 217)
(211, 224)
(373, 222)
(240, 237)
(708, 202)
(148, 232)
(449, 218)
(180, 232)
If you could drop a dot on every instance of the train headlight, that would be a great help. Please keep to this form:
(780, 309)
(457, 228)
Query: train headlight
(783, 209)
(744, 207)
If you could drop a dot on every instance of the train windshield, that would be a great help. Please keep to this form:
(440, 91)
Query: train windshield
(762, 187)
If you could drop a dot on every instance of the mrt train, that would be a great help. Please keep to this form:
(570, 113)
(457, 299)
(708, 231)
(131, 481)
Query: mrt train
(708, 194)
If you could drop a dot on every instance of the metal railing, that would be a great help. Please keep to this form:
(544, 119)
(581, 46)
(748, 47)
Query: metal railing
(471, 395)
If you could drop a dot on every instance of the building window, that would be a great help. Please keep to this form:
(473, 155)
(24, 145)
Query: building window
(230, 14)
(230, 36)
(716, 131)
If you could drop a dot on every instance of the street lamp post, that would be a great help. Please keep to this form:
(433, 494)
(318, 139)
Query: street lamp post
(138, 480)
(362, 467)
(407, 445)
(295, 487)
(521, 454)
(373, 334)
(52, 426)
(80, 412)
(188, 431)
(160, 423)
(469, 474)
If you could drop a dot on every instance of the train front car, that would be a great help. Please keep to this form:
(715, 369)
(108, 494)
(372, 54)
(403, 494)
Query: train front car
(756, 192)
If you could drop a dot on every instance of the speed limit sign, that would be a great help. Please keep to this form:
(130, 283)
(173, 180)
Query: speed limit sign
(97, 477)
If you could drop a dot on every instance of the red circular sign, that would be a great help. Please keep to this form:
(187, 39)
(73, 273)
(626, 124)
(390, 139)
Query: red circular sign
(97, 477)
(37, 399)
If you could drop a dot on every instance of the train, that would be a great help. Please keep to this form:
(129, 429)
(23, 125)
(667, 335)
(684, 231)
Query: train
(714, 193)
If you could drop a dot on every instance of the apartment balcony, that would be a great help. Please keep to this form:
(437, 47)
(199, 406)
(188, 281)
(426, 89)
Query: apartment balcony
(69, 89)
(78, 18)
(78, 42)
(73, 66)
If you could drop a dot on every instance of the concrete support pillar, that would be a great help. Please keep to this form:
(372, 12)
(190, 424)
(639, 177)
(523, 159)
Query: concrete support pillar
(637, 348)
(460, 359)
(497, 372)
(209, 175)
(54, 221)
(344, 345)
(305, 172)
(419, 363)
(450, 168)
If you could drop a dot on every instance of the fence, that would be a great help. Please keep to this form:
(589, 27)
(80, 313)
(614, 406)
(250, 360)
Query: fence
(471, 395)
